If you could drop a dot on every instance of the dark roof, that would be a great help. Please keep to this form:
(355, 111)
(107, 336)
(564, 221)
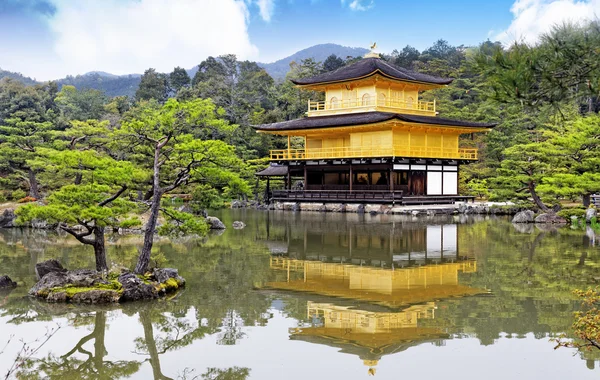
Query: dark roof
(368, 66)
(273, 170)
(365, 118)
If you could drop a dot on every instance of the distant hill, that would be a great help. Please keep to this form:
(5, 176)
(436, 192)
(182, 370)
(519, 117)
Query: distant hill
(112, 85)
(8, 74)
(319, 53)
(117, 85)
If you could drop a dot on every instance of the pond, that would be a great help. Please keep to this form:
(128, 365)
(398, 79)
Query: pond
(319, 296)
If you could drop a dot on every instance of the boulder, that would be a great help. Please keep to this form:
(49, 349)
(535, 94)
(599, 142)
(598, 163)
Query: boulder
(215, 223)
(462, 208)
(590, 213)
(7, 219)
(373, 209)
(49, 281)
(57, 297)
(238, 225)
(7, 283)
(165, 274)
(524, 217)
(134, 289)
(186, 208)
(96, 296)
(45, 267)
(39, 224)
(78, 278)
(415, 213)
(335, 207)
(550, 218)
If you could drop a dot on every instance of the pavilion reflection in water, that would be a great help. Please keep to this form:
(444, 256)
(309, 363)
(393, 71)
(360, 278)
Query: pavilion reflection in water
(378, 309)
(345, 239)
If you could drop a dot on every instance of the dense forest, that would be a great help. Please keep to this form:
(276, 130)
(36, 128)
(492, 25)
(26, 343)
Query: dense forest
(96, 160)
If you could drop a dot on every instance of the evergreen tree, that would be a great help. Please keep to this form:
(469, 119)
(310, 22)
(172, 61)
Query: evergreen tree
(153, 85)
(179, 78)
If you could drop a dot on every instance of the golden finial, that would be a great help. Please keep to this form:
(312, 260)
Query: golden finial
(372, 53)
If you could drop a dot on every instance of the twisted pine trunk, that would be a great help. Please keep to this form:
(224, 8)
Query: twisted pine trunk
(100, 249)
(34, 190)
(144, 257)
(536, 197)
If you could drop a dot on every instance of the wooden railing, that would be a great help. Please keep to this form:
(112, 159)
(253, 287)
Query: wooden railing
(373, 151)
(386, 104)
(337, 195)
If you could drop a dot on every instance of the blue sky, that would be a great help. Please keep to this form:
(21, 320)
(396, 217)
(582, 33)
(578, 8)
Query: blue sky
(48, 39)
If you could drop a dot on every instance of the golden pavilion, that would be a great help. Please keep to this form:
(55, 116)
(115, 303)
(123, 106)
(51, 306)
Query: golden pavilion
(372, 140)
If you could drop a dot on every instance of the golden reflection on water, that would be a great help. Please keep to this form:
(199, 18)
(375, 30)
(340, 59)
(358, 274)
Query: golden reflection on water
(408, 294)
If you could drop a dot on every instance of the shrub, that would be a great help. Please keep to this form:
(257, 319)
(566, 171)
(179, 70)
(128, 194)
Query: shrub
(131, 222)
(569, 212)
(18, 194)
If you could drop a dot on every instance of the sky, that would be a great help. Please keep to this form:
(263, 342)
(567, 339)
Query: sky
(49, 39)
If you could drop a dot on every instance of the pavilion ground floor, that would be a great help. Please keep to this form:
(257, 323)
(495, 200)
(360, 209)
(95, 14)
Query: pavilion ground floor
(373, 181)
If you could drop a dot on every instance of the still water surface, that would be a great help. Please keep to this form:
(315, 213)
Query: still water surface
(318, 296)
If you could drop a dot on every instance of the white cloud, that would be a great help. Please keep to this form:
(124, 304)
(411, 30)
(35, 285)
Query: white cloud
(124, 37)
(266, 8)
(359, 5)
(535, 17)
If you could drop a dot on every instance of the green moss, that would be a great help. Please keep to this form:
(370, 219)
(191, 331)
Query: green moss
(71, 290)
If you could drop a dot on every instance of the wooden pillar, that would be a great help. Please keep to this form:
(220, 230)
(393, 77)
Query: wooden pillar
(288, 181)
(351, 177)
(289, 147)
(391, 179)
(305, 178)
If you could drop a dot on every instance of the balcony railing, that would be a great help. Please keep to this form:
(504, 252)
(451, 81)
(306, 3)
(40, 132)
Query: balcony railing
(379, 103)
(374, 152)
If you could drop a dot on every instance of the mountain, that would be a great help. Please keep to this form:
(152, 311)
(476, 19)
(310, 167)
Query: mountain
(319, 53)
(117, 85)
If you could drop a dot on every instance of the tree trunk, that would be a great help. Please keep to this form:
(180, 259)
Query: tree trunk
(144, 257)
(536, 198)
(33, 185)
(100, 249)
(587, 200)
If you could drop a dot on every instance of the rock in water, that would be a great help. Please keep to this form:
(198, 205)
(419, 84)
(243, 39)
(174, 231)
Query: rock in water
(99, 296)
(524, 217)
(43, 268)
(214, 223)
(589, 214)
(7, 219)
(550, 218)
(134, 289)
(238, 225)
(81, 278)
(164, 274)
(7, 283)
